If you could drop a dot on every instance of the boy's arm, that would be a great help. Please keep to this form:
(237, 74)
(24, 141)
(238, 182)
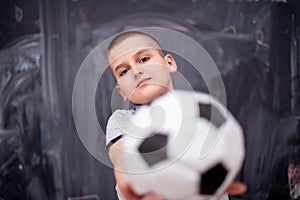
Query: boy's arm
(115, 153)
(115, 157)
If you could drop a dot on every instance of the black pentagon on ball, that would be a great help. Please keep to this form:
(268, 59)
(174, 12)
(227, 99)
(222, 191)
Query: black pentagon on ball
(153, 149)
(212, 179)
(206, 111)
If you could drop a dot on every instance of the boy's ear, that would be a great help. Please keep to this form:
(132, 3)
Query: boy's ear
(236, 188)
(171, 63)
(122, 93)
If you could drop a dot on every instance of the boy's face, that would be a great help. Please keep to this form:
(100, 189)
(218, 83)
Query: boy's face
(142, 73)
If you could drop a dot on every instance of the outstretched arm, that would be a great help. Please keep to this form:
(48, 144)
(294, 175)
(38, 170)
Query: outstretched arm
(115, 154)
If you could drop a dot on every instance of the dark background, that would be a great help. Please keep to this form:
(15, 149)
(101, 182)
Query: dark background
(255, 45)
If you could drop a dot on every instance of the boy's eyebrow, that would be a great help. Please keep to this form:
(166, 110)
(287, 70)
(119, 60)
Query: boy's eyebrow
(119, 66)
(140, 52)
(134, 55)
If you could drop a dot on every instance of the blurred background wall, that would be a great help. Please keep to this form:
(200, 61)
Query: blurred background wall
(255, 45)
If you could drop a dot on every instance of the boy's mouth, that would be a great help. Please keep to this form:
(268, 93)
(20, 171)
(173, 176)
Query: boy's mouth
(143, 82)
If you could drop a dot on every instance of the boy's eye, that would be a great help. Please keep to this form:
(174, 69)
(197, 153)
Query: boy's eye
(144, 59)
(123, 72)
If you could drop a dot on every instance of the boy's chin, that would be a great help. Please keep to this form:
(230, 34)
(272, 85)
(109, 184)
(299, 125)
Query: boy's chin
(147, 94)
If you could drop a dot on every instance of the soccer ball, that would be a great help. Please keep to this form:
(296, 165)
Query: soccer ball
(184, 145)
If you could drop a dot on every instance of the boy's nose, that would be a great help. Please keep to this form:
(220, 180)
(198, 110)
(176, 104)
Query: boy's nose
(137, 72)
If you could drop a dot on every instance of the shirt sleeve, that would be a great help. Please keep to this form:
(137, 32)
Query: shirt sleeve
(116, 125)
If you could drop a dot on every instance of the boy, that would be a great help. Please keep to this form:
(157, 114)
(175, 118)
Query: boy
(143, 73)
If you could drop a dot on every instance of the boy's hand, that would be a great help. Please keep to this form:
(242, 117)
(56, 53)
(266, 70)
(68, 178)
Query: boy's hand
(129, 193)
(151, 197)
(236, 188)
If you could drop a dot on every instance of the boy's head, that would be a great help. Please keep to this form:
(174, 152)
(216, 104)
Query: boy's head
(140, 67)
